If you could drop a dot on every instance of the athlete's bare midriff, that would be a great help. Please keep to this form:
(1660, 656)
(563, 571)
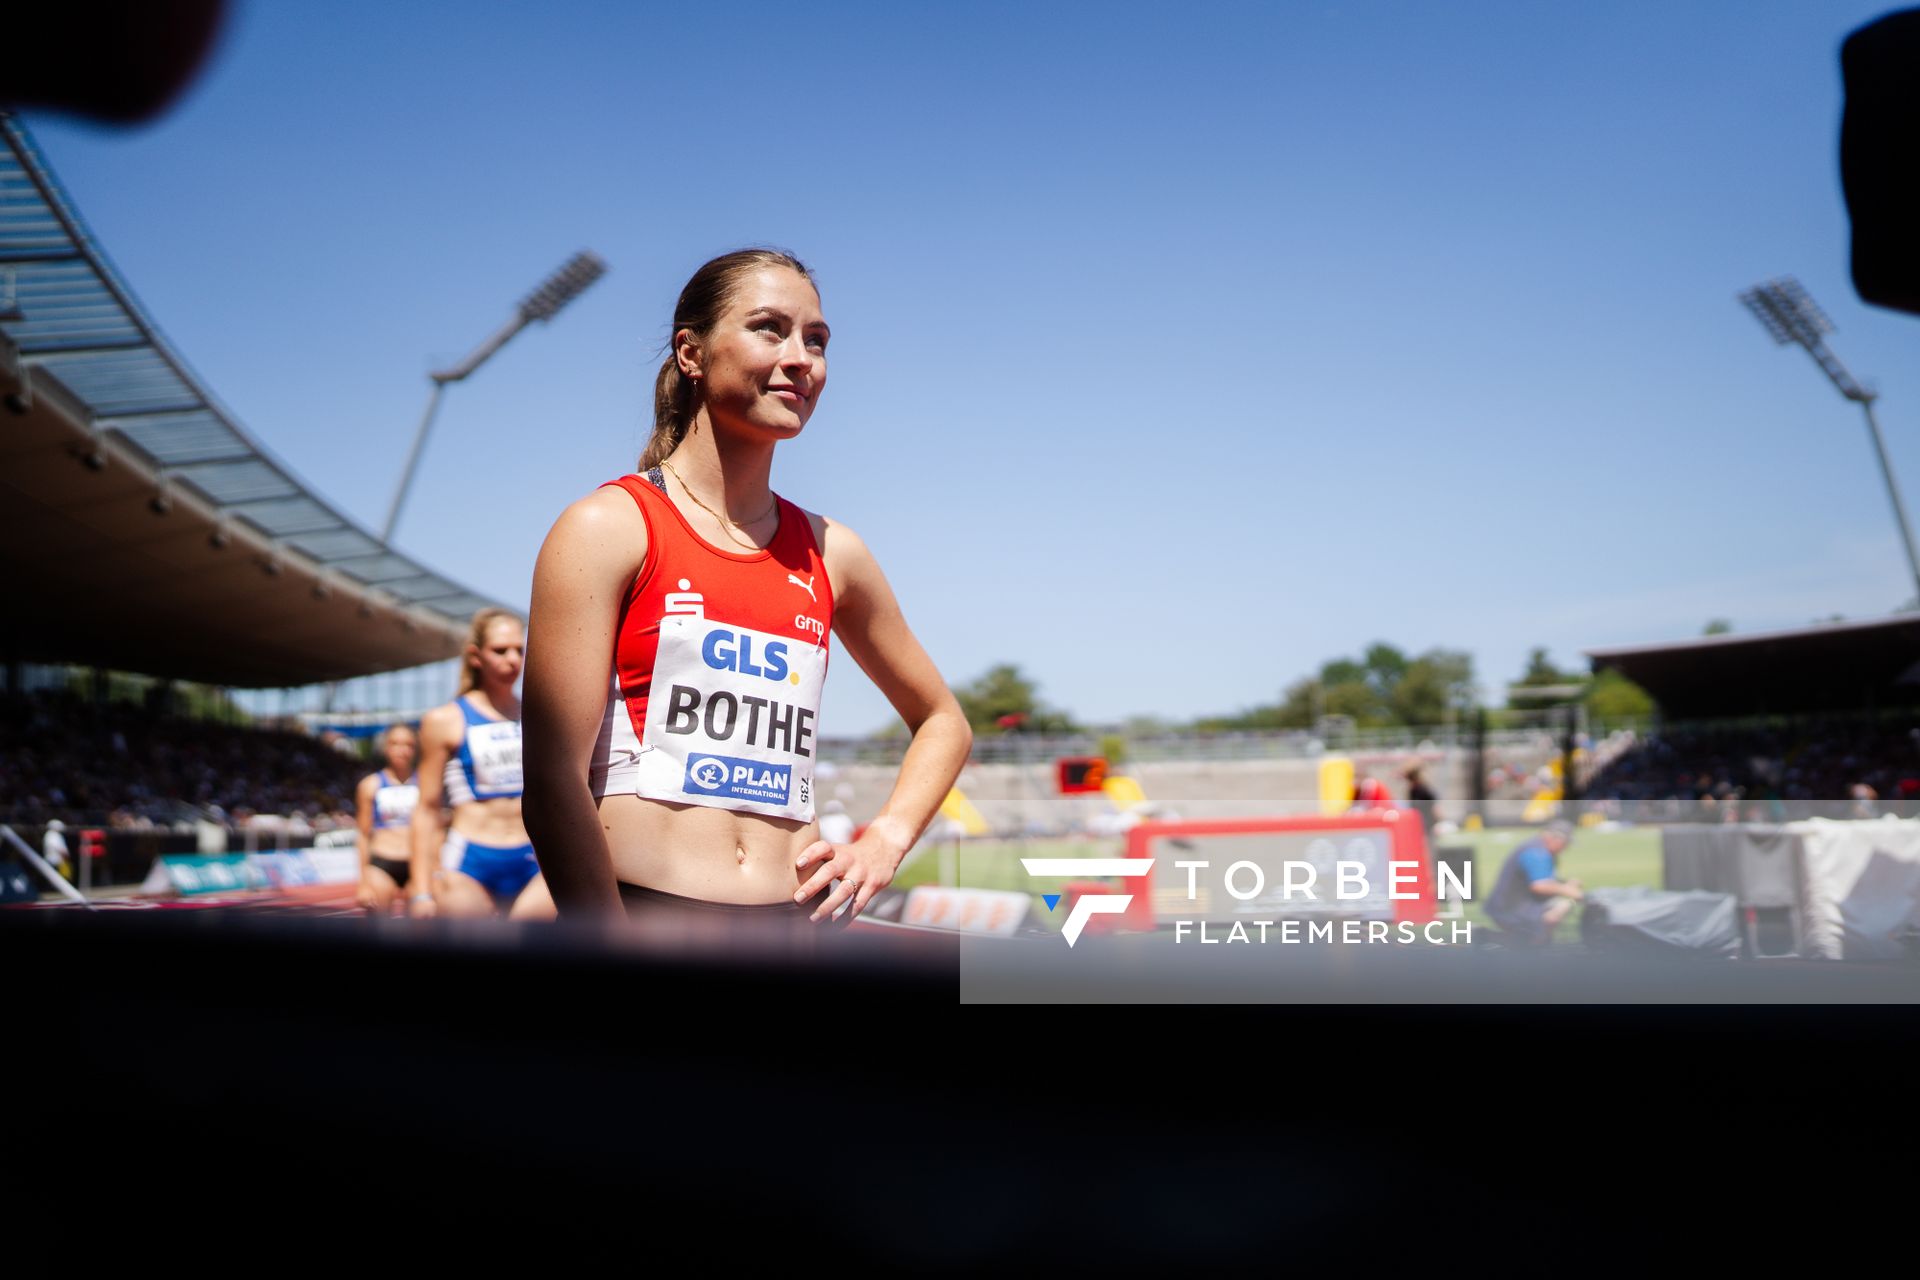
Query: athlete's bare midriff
(717, 855)
(491, 822)
(390, 842)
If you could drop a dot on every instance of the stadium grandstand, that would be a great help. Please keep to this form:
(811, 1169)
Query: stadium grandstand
(1820, 719)
(147, 537)
(132, 494)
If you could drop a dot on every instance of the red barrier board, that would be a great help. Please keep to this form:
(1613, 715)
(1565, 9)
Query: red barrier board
(1285, 866)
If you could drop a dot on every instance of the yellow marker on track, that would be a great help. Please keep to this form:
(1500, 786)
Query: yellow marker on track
(1124, 792)
(1336, 786)
(961, 810)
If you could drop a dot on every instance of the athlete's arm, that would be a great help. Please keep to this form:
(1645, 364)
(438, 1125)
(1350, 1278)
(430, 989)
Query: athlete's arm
(439, 739)
(363, 826)
(868, 621)
(363, 818)
(590, 558)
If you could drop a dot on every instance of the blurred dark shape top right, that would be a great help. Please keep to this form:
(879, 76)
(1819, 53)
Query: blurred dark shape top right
(1880, 158)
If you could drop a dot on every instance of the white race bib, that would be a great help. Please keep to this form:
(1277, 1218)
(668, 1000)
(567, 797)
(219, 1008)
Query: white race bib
(732, 719)
(495, 750)
(394, 806)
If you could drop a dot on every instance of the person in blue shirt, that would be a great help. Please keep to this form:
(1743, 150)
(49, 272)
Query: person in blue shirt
(1530, 898)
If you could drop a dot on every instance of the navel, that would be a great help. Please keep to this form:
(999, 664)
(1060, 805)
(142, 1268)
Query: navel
(740, 855)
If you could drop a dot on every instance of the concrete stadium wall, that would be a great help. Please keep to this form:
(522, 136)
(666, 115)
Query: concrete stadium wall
(1016, 798)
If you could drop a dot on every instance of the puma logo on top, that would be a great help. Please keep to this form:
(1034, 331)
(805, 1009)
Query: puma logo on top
(806, 586)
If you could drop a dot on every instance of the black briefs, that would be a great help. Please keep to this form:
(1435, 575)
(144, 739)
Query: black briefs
(395, 867)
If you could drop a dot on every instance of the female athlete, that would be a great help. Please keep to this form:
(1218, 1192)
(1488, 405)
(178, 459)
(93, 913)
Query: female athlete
(384, 803)
(470, 762)
(685, 790)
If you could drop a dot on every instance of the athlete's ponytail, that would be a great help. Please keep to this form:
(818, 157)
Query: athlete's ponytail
(676, 397)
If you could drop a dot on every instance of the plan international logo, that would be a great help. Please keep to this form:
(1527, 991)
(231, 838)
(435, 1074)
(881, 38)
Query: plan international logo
(738, 779)
(1088, 905)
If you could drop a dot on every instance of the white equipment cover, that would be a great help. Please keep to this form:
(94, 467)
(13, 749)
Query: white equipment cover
(1860, 886)
(1854, 886)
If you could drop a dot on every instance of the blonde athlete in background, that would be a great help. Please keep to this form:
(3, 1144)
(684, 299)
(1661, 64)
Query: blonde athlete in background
(470, 762)
(704, 604)
(384, 803)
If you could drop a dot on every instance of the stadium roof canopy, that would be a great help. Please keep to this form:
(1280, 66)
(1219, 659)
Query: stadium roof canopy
(1834, 668)
(141, 527)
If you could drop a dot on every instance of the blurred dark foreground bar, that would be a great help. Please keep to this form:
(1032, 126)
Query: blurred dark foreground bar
(258, 1088)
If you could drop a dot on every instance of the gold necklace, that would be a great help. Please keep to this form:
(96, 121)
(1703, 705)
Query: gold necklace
(724, 520)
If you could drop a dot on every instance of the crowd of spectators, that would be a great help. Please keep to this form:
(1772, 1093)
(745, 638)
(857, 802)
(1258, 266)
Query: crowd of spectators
(121, 765)
(1835, 768)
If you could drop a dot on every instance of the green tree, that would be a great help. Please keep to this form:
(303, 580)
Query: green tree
(1382, 687)
(1005, 691)
(1717, 627)
(1386, 667)
(1358, 700)
(1263, 717)
(1614, 697)
(1301, 703)
(1433, 683)
(1540, 670)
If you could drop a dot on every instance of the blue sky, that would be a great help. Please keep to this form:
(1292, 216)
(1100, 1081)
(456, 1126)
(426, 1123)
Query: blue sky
(1176, 348)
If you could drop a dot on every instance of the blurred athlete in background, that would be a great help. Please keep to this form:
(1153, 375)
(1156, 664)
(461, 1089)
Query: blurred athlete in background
(383, 804)
(470, 762)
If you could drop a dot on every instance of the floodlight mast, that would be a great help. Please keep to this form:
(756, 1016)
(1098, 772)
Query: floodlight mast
(1789, 315)
(543, 304)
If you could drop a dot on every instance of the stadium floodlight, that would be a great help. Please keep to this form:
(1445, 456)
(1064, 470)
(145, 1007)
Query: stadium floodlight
(543, 304)
(1789, 315)
(563, 286)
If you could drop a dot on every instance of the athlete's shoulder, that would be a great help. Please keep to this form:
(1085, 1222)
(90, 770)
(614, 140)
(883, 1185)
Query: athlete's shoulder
(611, 507)
(835, 537)
(444, 721)
(851, 567)
(605, 525)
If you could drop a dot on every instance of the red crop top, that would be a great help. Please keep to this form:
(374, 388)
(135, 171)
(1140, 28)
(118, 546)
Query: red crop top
(718, 667)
